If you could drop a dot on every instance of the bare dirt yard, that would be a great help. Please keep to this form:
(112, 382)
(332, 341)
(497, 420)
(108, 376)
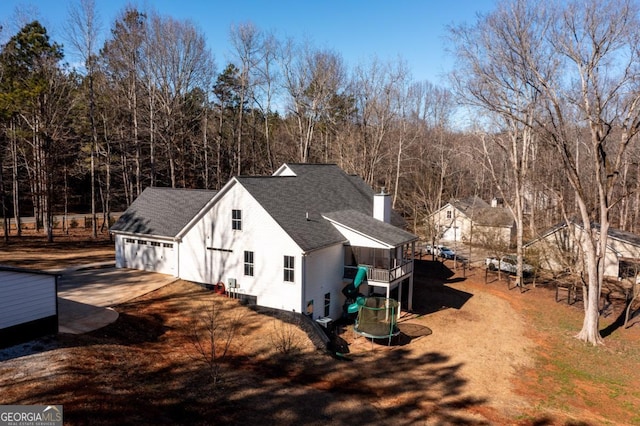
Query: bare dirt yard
(470, 353)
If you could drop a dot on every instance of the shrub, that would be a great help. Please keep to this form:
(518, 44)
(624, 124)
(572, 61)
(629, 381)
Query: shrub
(285, 335)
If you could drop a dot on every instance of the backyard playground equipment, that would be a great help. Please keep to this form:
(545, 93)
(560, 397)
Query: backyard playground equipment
(354, 298)
(376, 316)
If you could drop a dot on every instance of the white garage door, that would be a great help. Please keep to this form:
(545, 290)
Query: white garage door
(452, 234)
(150, 255)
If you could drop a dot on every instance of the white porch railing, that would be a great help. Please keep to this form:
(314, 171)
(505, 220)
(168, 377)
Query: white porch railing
(381, 275)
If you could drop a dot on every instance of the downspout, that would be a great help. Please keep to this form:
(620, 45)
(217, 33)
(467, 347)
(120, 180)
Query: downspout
(177, 259)
(303, 283)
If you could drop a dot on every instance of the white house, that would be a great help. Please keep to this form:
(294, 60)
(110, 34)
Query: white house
(28, 304)
(289, 241)
(558, 249)
(473, 218)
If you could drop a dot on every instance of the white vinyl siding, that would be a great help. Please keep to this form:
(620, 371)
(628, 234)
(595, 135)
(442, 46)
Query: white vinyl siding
(324, 270)
(26, 297)
(224, 260)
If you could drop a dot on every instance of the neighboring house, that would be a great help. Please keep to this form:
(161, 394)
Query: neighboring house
(473, 218)
(28, 305)
(290, 241)
(558, 249)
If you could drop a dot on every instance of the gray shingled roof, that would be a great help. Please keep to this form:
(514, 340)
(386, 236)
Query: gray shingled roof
(316, 189)
(162, 212)
(482, 213)
(368, 225)
(621, 235)
(296, 203)
(618, 234)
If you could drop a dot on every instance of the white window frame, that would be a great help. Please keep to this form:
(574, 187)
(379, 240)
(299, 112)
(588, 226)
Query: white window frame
(248, 263)
(327, 304)
(236, 220)
(289, 269)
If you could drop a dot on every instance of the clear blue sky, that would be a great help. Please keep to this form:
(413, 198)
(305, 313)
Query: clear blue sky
(413, 30)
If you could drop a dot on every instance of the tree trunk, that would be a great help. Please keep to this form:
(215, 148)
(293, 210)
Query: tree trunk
(136, 139)
(397, 179)
(94, 229)
(5, 222)
(15, 193)
(205, 148)
(590, 331)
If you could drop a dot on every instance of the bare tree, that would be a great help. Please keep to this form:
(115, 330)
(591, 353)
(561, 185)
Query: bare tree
(598, 43)
(494, 79)
(178, 63)
(266, 76)
(580, 61)
(212, 330)
(312, 79)
(246, 40)
(122, 58)
(83, 30)
(376, 87)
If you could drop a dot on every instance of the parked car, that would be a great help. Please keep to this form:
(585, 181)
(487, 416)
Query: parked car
(509, 264)
(444, 252)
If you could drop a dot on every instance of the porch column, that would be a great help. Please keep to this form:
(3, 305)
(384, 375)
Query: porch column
(413, 258)
(399, 298)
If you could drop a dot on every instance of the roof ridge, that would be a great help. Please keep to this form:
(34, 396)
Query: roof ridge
(168, 188)
(311, 164)
(265, 176)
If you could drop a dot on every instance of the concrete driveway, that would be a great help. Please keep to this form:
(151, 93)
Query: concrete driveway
(87, 295)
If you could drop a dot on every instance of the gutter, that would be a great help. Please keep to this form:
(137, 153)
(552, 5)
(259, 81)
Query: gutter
(137, 236)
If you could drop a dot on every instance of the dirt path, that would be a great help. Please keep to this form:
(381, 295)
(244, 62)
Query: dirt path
(477, 334)
(487, 338)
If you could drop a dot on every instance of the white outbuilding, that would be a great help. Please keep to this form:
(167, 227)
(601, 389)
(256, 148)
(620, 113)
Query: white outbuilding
(28, 305)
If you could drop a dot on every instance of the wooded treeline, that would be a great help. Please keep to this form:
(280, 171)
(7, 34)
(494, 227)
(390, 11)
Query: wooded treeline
(150, 106)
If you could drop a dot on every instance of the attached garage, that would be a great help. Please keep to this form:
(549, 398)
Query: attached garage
(146, 235)
(147, 255)
(28, 305)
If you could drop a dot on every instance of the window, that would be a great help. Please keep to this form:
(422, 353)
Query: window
(288, 268)
(248, 263)
(327, 304)
(448, 214)
(142, 242)
(155, 244)
(129, 240)
(167, 245)
(236, 220)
